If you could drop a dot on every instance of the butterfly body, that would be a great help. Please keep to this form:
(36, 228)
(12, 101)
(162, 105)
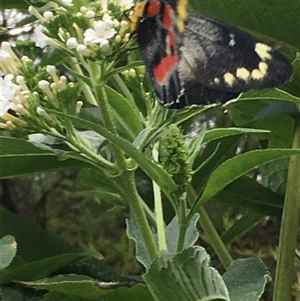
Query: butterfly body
(193, 59)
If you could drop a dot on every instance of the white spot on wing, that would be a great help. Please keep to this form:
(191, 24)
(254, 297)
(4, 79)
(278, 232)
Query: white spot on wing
(243, 74)
(216, 80)
(261, 72)
(263, 51)
(231, 40)
(229, 78)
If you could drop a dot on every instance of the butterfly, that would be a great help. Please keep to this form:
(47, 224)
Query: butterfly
(194, 59)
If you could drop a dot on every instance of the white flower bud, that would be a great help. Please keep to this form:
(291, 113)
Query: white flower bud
(72, 43)
(19, 108)
(83, 9)
(118, 38)
(21, 81)
(33, 11)
(81, 49)
(90, 14)
(40, 111)
(124, 24)
(48, 15)
(79, 105)
(10, 126)
(43, 85)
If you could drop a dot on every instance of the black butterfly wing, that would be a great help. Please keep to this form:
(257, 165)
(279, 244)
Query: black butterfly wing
(220, 61)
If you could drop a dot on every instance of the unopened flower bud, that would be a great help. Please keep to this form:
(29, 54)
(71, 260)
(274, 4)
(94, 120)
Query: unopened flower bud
(33, 11)
(72, 43)
(81, 49)
(52, 71)
(83, 9)
(48, 15)
(44, 85)
(79, 105)
(21, 81)
(90, 14)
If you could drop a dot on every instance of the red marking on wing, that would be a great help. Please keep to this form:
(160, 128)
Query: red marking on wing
(153, 9)
(164, 68)
(167, 17)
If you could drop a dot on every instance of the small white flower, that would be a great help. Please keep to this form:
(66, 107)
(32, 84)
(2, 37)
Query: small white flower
(7, 92)
(39, 37)
(101, 33)
(72, 43)
(108, 21)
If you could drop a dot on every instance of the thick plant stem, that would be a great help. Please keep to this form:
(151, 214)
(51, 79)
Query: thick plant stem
(289, 227)
(127, 182)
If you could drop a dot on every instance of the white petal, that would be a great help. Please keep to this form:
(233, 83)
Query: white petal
(99, 27)
(109, 33)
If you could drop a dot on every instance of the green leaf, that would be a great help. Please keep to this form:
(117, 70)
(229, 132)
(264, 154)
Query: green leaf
(279, 136)
(238, 166)
(222, 149)
(279, 21)
(38, 269)
(98, 179)
(34, 245)
(17, 293)
(138, 244)
(19, 157)
(78, 286)
(246, 279)
(274, 94)
(19, 4)
(172, 234)
(274, 175)
(124, 114)
(186, 276)
(258, 198)
(8, 250)
(155, 172)
(243, 112)
(225, 132)
(242, 226)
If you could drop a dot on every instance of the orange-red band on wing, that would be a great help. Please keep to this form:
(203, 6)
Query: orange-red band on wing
(165, 67)
(153, 9)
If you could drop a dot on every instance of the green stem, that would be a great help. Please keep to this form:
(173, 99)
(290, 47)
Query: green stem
(181, 238)
(127, 182)
(79, 142)
(289, 227)
(85, 88)
(160, 224)
(214, 238)
(108, 120)
(121, 85)
(210, 231)
(183, 223)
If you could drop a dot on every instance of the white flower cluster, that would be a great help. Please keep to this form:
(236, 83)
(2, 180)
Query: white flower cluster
(17, 96)
(103, 27)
